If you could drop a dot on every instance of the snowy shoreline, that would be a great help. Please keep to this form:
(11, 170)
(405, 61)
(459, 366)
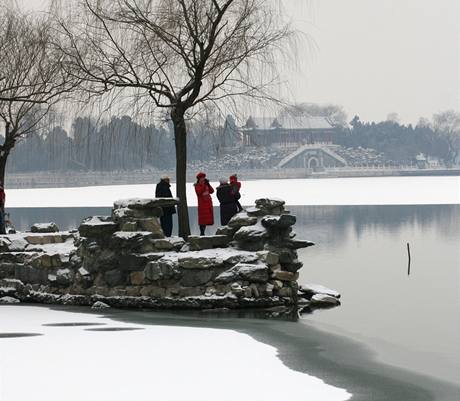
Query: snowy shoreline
(201, 359)
(334, 191)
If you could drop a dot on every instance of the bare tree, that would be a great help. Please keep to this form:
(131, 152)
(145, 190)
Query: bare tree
(447, 125)
(31, 77)
(179, 53)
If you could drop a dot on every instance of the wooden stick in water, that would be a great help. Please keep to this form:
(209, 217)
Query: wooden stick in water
(408, 263)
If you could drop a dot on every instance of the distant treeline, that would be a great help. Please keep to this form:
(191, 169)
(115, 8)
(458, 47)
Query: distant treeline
(400, 143)
(119, 144)
(123, 144)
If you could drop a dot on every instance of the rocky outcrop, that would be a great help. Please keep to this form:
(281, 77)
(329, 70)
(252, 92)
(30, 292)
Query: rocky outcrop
(124, 260)
(45, 228)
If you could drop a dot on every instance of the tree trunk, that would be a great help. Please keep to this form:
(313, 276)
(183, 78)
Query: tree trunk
(180, 139)
(3, 159)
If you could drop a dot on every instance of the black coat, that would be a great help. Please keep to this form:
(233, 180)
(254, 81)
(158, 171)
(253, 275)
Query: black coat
(163, 191)
(227, 201)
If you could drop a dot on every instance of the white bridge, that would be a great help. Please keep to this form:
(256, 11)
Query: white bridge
(313, 156)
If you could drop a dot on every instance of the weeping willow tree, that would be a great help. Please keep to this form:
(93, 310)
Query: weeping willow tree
(179, 54)
(31, 78)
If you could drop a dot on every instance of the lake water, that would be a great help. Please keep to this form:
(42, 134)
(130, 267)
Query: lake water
(395, 337)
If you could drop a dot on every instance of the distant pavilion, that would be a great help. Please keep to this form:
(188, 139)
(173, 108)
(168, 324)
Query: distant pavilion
(287, 131)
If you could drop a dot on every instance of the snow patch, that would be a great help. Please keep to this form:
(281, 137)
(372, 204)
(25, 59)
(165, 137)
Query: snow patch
(333, 191)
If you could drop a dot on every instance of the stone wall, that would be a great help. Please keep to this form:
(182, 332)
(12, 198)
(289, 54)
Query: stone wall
(124, 260)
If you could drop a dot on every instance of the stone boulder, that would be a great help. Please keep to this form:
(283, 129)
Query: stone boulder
(145, 204)
(4, 244)
(9, 300)
(45, 228)
(100, 305)
(151, 225)
(97, 227)
(141, 208)
(251, 233)
(199, 243)
(309, 290)
(242, 220)
(162, 269)
(199, 260)
(324, 300)
(132, 241)
(18, 244)
(168, 244)
(251, 238)
(267, 206)
(267, 203)
(47, 238)
(256, 273)
(278, 222)
(227, 231)
(285, 276)
(115, 277)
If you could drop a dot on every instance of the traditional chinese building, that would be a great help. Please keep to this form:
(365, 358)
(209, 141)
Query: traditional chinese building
(287, 132)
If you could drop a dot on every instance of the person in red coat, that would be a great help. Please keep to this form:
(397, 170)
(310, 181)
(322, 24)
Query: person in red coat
(236, 187)
(2, 210)
(203, 191)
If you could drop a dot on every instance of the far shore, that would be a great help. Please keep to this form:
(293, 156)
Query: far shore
(58, 179)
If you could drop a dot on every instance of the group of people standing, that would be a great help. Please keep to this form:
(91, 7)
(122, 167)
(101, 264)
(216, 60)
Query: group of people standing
(228, 194)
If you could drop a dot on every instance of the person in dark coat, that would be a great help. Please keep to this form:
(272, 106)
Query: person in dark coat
(203, 190)
(228, 207)
(163, 190)
(2, 210)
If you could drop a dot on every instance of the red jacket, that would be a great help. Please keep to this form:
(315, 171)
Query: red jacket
(235, 184)
(205, 210)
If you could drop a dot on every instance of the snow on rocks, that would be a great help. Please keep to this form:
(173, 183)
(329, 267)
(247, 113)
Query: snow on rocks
(313, 289)
(45, 228)
(9, 300)
(100, 305)
(97, 227)
(324, 300)
(125, 260)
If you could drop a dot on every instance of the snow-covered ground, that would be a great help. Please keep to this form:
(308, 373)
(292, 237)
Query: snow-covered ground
(157, 362)
(334, 191)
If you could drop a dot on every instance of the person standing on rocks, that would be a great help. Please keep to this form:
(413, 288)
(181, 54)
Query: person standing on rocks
(2, 210)
(203, 191)
(227, 201)
(163, 190)
(236, 187)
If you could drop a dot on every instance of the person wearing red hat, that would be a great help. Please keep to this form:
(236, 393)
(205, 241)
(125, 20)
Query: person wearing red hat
(236, 187)
(203, 191)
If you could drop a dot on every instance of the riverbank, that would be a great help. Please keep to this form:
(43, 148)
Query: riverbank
(52, 179)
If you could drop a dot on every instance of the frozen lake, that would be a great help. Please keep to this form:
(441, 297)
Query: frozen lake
(334, 191)
(77, 356)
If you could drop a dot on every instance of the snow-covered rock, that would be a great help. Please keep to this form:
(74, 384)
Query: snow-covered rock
(242, 271)
(100, 305)
(9, 300)
(313, 289)
(97, 227)
(145, 203)
(283, 221)
(45, 228)
(324, 300)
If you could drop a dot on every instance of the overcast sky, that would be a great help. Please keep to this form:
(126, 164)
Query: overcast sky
(376, 57)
